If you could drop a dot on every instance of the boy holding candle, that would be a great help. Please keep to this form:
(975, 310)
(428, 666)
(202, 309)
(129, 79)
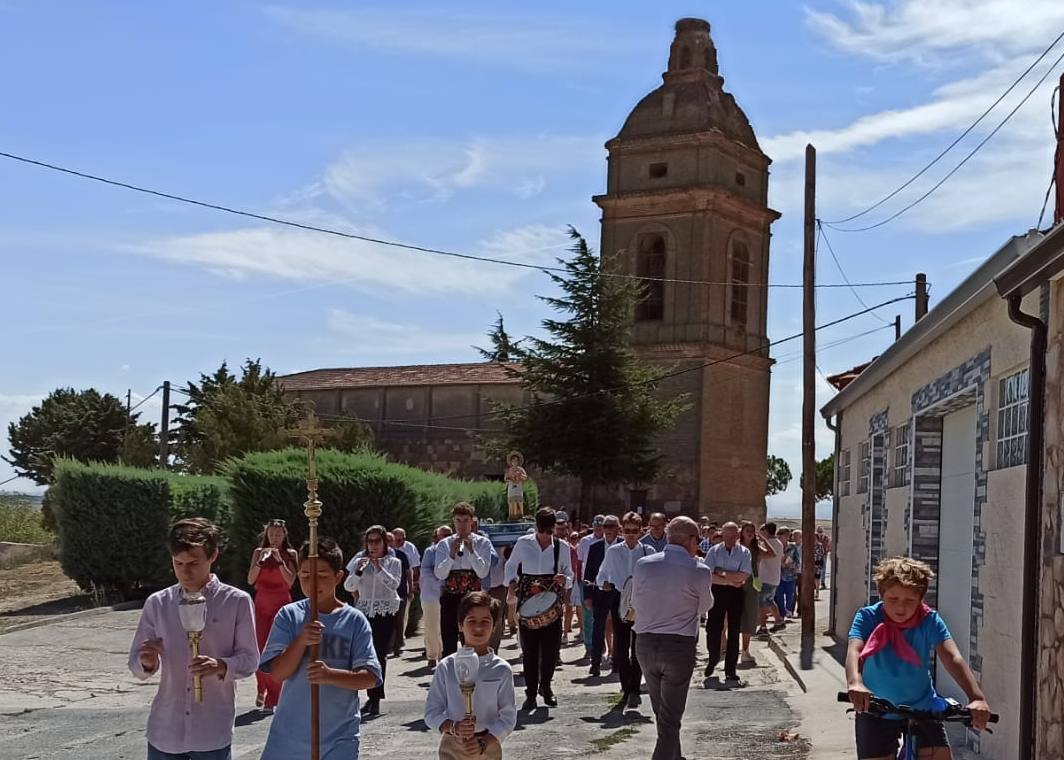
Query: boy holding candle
(179, 727)
(346, 664)
(494, 704)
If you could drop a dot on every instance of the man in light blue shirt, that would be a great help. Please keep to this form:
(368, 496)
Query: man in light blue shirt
(655, 537)
(731, 564)
(671, 589)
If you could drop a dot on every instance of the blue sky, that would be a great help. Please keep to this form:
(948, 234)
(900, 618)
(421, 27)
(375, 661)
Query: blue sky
(464, 126)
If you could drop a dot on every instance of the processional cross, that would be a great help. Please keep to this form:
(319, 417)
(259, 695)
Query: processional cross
(311, 433)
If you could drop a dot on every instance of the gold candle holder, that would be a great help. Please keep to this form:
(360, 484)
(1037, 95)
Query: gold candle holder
(197, 681)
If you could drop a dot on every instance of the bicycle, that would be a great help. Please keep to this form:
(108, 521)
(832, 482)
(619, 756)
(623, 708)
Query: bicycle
(952, 712)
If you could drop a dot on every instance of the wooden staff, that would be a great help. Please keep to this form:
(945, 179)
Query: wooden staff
(311, 433)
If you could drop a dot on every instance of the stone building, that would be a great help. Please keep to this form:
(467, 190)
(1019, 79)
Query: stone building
(931, 453)
(685, 205)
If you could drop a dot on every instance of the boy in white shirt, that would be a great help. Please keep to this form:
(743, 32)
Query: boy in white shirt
(494, 704)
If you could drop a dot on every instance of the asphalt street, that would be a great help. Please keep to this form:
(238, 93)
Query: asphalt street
(65, 694)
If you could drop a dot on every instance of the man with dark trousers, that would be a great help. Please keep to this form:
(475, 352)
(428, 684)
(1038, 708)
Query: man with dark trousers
(731, 564)
(599, 601)
(540, 563)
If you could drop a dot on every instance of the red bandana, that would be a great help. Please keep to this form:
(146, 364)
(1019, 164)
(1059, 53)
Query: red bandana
(889, 634)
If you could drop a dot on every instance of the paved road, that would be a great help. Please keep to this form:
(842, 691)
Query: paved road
(65, 694)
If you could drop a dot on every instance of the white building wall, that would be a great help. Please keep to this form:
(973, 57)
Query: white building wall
(997, 574)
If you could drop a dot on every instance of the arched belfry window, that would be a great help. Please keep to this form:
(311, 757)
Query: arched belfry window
(651, 264)
(740, 281)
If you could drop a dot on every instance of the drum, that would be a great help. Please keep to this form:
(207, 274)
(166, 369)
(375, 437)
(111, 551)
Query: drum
(540, 610)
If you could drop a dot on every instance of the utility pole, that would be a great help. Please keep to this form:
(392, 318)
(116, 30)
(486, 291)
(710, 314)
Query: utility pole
(125, 432)
(805, 596)
(897, 327)
(921, 296)
(1058, 216)
(164, 428)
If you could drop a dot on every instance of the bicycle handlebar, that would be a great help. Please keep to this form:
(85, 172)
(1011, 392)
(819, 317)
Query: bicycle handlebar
(952, 714)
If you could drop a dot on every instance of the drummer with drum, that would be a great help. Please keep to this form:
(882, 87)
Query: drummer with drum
(615, 579)
(540, 570)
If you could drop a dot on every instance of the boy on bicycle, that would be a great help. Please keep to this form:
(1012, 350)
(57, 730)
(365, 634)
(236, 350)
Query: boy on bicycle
(889, 656)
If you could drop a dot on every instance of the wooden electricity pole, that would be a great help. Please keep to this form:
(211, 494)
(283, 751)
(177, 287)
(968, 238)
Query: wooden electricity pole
(807, 579)
(164, 428)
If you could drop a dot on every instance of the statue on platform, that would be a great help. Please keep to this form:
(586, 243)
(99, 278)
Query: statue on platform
(515, 484)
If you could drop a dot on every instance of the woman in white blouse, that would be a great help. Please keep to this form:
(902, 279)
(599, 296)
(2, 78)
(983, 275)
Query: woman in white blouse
(374, 580)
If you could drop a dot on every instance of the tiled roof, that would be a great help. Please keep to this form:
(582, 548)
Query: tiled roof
(479, 373)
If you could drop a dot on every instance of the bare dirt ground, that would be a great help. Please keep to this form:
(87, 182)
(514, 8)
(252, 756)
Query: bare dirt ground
(36, 591)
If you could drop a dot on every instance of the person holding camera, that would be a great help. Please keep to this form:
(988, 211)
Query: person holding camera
(272, 573)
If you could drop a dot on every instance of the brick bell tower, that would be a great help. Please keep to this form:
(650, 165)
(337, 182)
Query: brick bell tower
(687, 199)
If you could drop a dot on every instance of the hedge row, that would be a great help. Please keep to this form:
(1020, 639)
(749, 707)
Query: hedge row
(112, 520)
(357, 489)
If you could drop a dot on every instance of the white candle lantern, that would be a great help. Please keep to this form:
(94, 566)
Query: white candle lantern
(193, 611)
(467, 667)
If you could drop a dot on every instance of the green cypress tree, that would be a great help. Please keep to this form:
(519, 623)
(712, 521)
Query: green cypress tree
(595, 413)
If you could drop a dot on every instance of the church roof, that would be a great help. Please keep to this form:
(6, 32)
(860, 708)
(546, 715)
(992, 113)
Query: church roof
(692, 98)
(472, 373)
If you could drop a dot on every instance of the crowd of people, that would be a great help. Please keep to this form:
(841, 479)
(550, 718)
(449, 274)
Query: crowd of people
(634, 592)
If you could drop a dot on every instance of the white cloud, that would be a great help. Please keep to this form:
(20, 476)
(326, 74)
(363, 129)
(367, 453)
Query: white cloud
(311, 257)
(530, 42)
(368, 334)
(433, 170)
(931, 32)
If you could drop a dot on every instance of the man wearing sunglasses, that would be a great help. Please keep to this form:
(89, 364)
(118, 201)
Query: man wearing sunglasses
(598, 599)
(613, 576)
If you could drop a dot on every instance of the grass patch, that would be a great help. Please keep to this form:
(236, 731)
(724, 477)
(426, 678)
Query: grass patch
(617, 737)
(21, 522)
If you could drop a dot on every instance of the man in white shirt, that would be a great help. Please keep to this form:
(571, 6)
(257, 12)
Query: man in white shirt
(770, 570)
(463, 562)
(540, 563)
(595, 535)
(613, 576)
(430, 598)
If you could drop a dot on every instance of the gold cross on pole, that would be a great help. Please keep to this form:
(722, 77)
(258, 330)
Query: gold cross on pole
(311, 433)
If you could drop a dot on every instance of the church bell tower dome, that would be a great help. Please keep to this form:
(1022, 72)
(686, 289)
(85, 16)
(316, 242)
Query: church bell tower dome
(692, 98)
(686, 211)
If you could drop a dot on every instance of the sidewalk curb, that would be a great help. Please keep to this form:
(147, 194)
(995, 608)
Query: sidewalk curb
(121, 607)
(778, 650)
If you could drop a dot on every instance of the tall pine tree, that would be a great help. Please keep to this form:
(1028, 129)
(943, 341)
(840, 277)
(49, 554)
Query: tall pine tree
(503, 348)
(595, 413)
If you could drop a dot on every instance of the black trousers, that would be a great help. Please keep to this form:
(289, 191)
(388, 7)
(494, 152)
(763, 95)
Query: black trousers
(499, 592)
(398, 634)
(624, 652)
(383, 627)
(727, 601)
(602, 602)
(449, 622)
(539, 654)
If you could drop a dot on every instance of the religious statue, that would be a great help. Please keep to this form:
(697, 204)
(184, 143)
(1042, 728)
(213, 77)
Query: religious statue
(515, 484)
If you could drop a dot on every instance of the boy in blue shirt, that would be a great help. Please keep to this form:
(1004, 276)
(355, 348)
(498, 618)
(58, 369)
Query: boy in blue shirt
(889, 656)
(347, 665)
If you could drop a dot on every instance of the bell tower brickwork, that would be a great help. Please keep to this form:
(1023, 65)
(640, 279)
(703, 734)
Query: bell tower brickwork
(687, 199)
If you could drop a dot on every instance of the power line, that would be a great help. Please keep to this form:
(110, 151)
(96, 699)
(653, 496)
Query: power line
(141, 402)
(963, 161)
(838, 265)
(430, 426)
(953, 144)
(395, 244)
(697, 367)
(13, 477)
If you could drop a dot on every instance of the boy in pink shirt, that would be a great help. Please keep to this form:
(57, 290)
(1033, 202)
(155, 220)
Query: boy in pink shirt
(179, 727)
